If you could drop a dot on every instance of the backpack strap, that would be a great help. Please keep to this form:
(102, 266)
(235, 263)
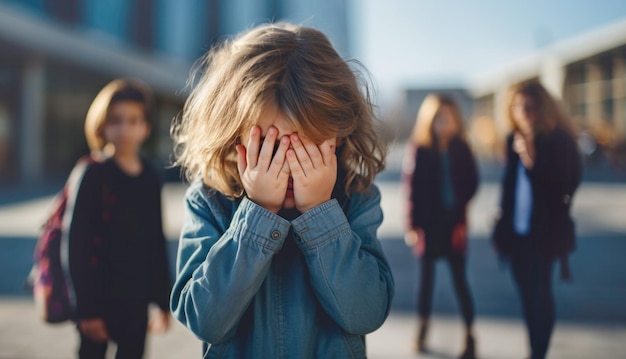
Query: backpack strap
(49, 275)
(71, 189)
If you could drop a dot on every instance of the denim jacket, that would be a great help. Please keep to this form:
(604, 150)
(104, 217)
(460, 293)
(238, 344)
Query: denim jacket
(251, 284)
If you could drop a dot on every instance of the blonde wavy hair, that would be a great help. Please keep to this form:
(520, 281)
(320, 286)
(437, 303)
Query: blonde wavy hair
(293, 67)
(548, 112)
(423, 134)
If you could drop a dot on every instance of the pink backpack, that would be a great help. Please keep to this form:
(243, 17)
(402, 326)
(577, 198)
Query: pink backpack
(50, 275)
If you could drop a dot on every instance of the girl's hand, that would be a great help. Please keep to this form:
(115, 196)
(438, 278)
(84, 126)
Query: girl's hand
(459, 238)
(415, 239)
(410, 238)
(314, 171)
(264, 177)
(524, 147)
(94, 329)
(160, 323)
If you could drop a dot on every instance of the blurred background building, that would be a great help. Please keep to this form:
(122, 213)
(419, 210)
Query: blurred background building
(587, 72)
(401, 117)
(55, 55)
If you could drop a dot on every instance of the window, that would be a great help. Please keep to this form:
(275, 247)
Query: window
(142, 23)
(67, 11)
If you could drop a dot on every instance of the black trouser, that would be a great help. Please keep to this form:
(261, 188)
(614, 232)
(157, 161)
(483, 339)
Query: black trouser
(533, 275)
(457, 268)
(127, 327)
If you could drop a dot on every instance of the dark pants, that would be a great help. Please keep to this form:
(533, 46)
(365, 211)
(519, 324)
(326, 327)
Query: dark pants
(127, 328)
(457, 268)
(533, 275)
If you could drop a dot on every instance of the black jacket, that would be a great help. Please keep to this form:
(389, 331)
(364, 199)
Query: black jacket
(117, 250)
(425, 186)
(554, 178)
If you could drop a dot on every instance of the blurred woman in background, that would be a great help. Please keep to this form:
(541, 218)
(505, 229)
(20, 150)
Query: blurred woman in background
(441, 177)
(543, 169)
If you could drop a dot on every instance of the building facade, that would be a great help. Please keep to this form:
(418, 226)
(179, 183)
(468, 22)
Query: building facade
(587, 73)
(55, 55)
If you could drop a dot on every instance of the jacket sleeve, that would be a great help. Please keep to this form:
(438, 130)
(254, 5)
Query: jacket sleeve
(163, 282)
(86, 252)
(408, 166)
(219, 270)
(503, 229)
(558, 169)
(555, 176)
(470, 174)
(348, 269)
(508, 179)
(413, 181)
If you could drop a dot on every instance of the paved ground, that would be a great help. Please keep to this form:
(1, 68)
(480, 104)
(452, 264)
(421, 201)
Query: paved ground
(22, 336)
(591, 318)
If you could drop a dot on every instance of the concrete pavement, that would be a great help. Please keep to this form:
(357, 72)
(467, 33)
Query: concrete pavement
(598, 209)
(23, 336)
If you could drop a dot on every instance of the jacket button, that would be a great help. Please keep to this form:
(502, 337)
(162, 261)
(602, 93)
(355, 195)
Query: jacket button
(275, 234)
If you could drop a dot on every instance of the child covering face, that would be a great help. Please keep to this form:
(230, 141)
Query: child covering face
(278, 256)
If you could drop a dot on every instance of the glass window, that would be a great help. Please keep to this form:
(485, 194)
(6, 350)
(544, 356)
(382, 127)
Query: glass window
(142, 23)
(9, 125)
(67, 11)
(36, 5)
(109, 16)
(607, 109)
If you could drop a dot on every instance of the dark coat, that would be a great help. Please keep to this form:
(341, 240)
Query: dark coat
(426, 192)
(554, 178)
(117, 249)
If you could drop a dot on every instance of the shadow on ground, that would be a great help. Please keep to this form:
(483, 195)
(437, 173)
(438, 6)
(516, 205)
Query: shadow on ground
(595, 296)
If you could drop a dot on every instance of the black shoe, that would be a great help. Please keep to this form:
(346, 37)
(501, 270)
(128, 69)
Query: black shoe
(470, 350)
(420, 343)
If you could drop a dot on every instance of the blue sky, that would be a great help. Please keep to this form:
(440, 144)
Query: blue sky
(416, 42)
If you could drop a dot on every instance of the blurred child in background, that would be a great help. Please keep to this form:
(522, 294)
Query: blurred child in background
(117, 250)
